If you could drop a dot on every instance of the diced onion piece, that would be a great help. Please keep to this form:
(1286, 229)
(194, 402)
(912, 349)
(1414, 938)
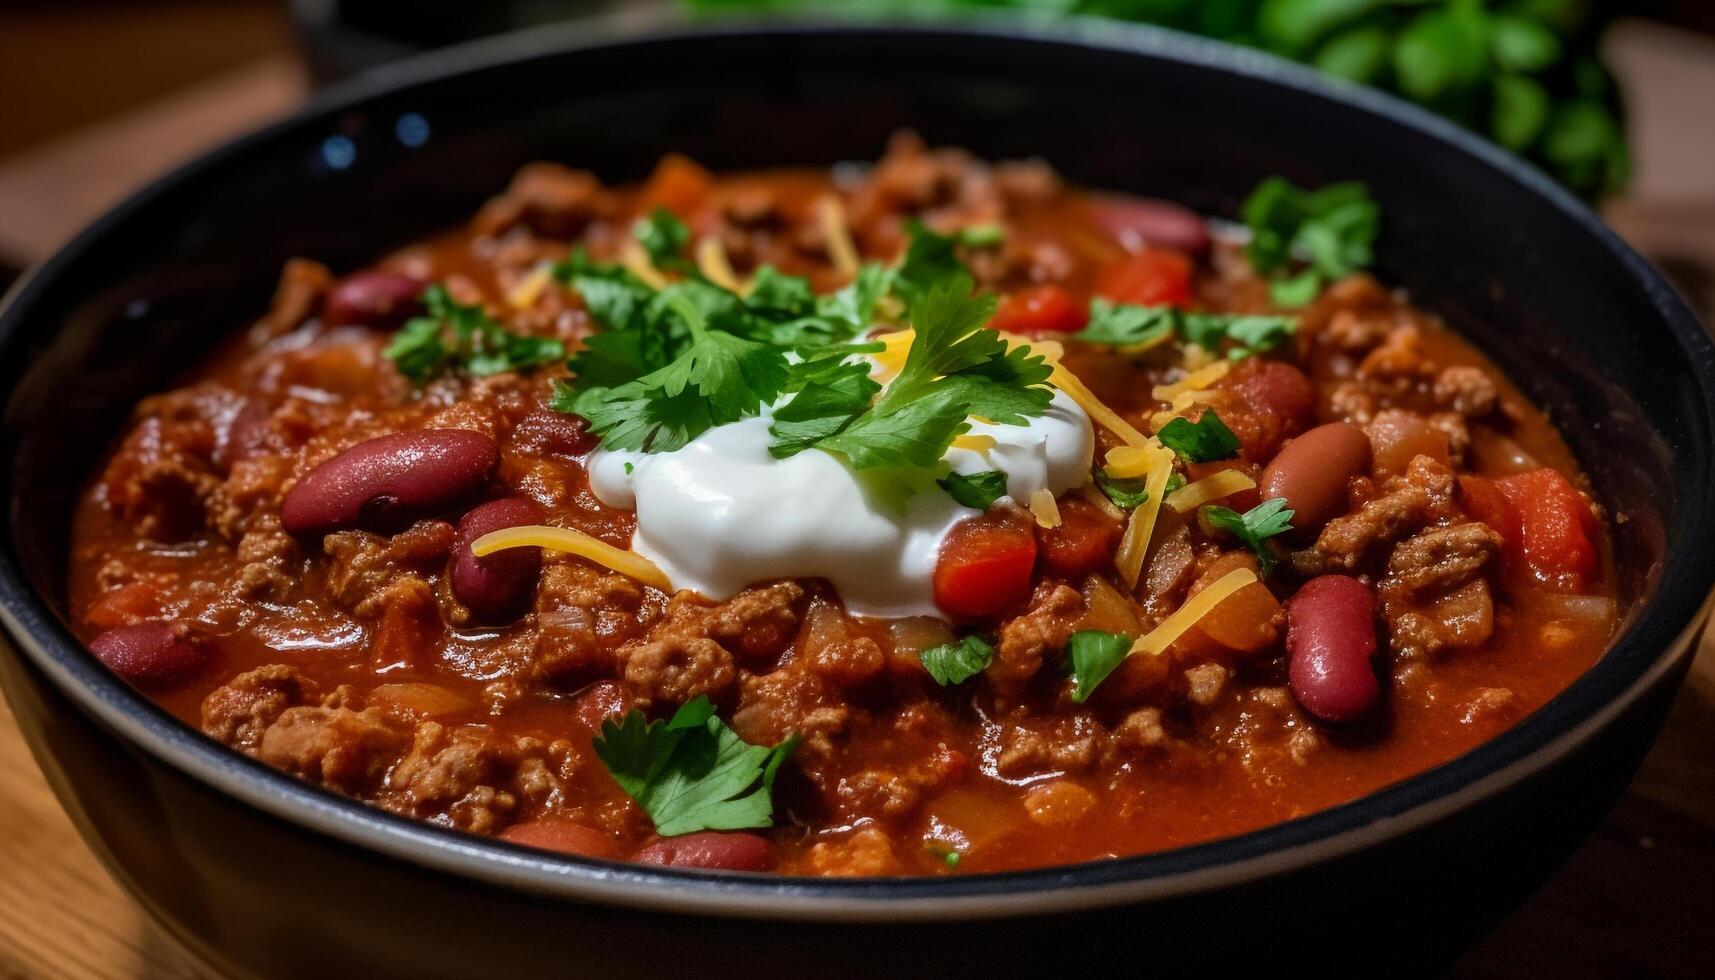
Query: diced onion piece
(1210, 488)
(529, 289)
(636, 261)
(975, 442)
(1045, 508)
(1157, 640)
(1201, 378)
(1134, 546)
(573, 542)
(712, 263)
(842, 252)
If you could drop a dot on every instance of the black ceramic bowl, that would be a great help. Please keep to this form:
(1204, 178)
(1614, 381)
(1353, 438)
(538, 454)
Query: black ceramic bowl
(265, 875)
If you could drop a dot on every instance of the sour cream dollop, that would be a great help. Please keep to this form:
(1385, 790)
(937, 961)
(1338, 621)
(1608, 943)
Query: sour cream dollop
(722, 513)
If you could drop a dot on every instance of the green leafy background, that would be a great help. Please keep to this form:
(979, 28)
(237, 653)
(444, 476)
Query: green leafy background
(1522, 72)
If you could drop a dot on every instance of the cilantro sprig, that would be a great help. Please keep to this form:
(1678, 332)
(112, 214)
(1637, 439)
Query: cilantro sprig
(1254, 527)
(691, 772)
(456, 335)
(1202, 441)
(1093, 655)
(664, 237)
(954, 369)
(1124, 325)
(955, 663)
(977, 491)
(1332, 229)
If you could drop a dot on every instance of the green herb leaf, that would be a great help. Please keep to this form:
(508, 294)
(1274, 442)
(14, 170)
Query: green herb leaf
(1094, 655)
(717, 378)
(1125, 325)
(457, 335)
(1443, 52)
(977, 491)
(955, 663)
(954, 369)
(664, 237)
(931, 258)
(1521, 44)
(1333, 228)
(1126, 493)
(1519, 112)
(1201, 441)
(1254, 526)
(692, 772)
(982, 236)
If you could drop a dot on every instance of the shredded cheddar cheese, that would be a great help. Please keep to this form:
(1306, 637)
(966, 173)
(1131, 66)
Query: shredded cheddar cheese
(1100, 499)
(713, 264)
(1157, 640)
(975, 442)
(1045, 508)
(1134, 546)
(529, 289)
(842, 251)
(1200, 378)
(576, 543)
(636, 261)
(1210, 488)
(1068, 382)
(1128, 462)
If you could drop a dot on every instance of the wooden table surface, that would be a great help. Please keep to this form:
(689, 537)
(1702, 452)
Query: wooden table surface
(1637, 900)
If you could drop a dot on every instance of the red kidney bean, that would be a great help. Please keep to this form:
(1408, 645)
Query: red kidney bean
(374, 299)
(709, 849)
(151, 655)
(562, 836)
(497, 588)
(388, 482)
(1330, 640)
(1281, 391)
(244, 434)
(1159, 223)
(1313, 470)
(553, 434)
(599, 702)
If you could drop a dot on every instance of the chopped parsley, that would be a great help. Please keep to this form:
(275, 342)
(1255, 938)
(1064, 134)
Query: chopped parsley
(982, 236)
(664, 237)
(955, 663)
(1201, 441)
(1129, 492)
(1254, 526)
(716, 378)
(1093, 655)
(692, 772)
(931, 258)
(977, 491)
(1332, 229)
(1125, 325)
(463, 336)
(954, 369)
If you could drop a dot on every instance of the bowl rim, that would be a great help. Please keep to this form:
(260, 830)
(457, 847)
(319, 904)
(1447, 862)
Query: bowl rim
(1642, 655)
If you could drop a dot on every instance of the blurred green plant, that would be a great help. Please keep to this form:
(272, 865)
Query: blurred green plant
(1523, 72)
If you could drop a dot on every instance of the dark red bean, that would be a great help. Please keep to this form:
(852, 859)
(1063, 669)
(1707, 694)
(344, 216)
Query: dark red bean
(599, 702)
(497, 588)
(374, 299)
(1330, 642)
(549, 433)
(151, 655)
(244, 434)
(708, 849)
(1280, 390)
(1313, 470)
(388, 482)
(1159, 223)
(562, 836)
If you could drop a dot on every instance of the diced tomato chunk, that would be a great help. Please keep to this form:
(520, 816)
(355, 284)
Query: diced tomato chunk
(1040, 309)
(1083, 543)
(1153, 277)
(984, 566)
(1550, 533)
